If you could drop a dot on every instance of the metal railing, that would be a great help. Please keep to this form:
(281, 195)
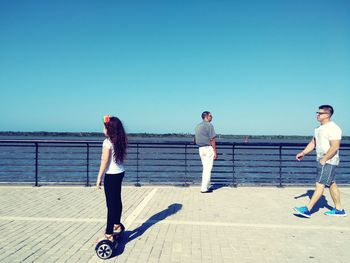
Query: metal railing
(41, 162)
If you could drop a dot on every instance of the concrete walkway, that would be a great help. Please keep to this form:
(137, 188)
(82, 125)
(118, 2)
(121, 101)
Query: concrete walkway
(171, 224)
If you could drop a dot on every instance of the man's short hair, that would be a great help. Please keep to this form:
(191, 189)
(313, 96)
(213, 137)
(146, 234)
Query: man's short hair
(328, 108)
(205, 114)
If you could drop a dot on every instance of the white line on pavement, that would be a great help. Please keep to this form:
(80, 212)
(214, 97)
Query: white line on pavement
(229, 224)
(131, 218)
(128, 221)
(51, 219)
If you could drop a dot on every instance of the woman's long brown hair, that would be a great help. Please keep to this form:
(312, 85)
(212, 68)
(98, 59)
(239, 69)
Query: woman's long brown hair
(116, 133)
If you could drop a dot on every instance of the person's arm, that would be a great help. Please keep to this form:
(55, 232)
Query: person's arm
(213, 144)
(331, 151)
(309, 148)
(103, 166)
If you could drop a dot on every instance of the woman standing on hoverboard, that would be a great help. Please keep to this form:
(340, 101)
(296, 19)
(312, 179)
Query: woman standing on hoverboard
(113, 155)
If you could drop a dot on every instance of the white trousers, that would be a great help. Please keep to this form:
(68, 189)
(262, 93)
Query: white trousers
(207, 156)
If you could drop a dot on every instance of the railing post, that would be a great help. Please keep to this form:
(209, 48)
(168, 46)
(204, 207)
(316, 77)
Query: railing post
(137, 165)
(185, 183)
(280, 166)
(234, 183)
(36, 163)
(87, 164)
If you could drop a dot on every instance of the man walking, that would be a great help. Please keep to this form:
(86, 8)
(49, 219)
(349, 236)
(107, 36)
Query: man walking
(327, 142)
(205, 139)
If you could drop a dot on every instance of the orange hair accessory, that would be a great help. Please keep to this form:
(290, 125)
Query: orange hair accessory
(106, 119)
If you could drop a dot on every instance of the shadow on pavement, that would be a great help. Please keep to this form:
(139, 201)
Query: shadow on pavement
(137, 232)
(216, 186)
(321, 203)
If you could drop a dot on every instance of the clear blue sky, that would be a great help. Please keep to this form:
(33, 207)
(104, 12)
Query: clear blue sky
(261, 67)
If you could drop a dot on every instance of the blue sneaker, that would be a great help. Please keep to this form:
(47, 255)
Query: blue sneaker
(335, 212)
(303, 211)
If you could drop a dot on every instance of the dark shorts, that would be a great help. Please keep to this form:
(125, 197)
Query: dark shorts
(325, 174)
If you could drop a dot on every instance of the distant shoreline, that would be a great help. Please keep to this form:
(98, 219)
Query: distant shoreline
(159, 135)
(151, 135)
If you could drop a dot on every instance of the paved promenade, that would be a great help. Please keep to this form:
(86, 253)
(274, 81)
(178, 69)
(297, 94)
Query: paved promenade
(172, 224)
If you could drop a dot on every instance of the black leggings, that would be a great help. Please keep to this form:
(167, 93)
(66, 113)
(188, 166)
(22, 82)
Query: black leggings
(113, 189)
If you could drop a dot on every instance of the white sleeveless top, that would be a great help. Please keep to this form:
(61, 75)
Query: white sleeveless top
(112, 167)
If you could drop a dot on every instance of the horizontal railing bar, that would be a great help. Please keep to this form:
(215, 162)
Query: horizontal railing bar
(238, 144)
(57, 159)
(57, 168)
(16, 145)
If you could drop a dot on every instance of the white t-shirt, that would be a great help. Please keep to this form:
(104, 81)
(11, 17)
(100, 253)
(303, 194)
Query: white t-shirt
(112, 167)
(323, 134)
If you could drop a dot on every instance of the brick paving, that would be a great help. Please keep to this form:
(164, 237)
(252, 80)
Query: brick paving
(172, 224)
